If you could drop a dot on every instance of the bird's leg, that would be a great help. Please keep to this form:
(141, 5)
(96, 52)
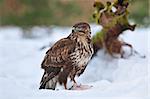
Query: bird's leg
(74, 83)
(65, 86)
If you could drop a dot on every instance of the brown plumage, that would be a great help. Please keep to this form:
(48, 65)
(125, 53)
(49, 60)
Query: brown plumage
(68, 57)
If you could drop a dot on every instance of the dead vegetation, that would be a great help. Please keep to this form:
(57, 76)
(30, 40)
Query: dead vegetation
(113, 17)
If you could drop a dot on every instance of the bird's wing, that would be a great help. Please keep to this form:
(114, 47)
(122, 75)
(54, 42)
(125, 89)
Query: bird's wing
(58, 54)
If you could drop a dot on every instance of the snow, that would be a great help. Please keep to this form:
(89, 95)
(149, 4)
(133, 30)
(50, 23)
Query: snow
(20, 71)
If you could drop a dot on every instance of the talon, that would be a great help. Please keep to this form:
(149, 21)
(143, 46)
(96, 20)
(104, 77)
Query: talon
(80, 87)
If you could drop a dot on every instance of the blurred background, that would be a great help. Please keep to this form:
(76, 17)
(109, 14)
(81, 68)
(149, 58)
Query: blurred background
(27, 13)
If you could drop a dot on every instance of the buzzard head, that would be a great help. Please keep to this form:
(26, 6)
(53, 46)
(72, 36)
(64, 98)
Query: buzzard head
(82, 27)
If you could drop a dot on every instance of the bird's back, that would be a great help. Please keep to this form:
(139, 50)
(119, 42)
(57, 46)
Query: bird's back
(58, 55)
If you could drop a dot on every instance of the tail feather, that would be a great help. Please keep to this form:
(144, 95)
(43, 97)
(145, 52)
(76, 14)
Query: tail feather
(48, 81)
(50, 78)
(51, 84)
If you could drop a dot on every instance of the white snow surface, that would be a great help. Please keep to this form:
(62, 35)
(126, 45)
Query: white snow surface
(20, 71)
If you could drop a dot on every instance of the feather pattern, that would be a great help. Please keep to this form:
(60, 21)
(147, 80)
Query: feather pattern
(68, 57)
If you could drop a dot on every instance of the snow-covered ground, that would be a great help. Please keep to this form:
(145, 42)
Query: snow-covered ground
(20, 71)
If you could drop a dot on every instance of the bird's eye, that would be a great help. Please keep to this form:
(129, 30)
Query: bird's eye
(78, 29)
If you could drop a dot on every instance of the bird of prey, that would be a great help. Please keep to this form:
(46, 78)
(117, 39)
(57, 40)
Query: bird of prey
(67, 58)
